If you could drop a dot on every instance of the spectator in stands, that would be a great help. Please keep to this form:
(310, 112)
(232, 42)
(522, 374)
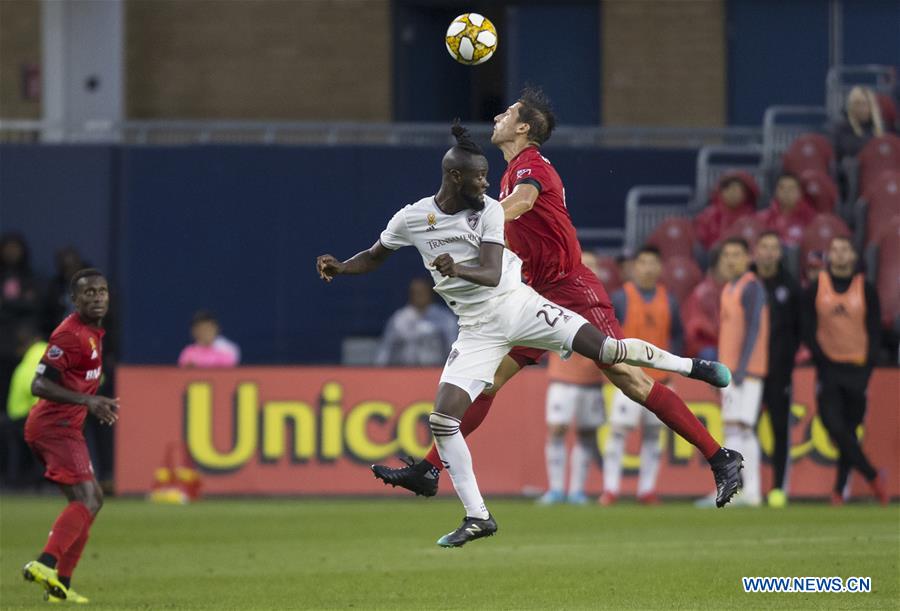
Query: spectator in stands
(210, 348)
(841, 324)
(58, 304)
(647, 310)
(20, 466)
(734, 198)
(418, 334)
(20, 302)
(700, 313)
(862, 122)
(789, 212)
(784, 300)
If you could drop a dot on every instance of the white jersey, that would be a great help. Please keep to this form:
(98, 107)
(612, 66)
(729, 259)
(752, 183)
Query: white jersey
(460, 235)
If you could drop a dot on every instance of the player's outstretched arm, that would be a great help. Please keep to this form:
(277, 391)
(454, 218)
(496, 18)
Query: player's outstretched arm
(103, 408)
(520, 201)
(361, 263)
(486, 274)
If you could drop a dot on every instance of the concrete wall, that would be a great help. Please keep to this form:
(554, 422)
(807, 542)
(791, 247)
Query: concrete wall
(20, 44)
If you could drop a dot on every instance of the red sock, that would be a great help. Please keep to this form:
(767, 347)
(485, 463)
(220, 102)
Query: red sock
(471, 421)
(69, 560)
(71, 523)
(669, 408)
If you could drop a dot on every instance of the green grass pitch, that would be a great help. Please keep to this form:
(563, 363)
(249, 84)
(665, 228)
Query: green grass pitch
(380, 554)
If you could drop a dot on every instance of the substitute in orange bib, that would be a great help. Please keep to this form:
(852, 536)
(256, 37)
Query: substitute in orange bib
(744, 348)
(575, 394)
(841, 327)
(648, 311)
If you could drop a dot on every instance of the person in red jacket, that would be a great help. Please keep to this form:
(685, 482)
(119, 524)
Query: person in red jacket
(734, 198)
(789, 212)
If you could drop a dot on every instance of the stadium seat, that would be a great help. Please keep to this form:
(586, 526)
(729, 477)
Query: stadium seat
(877, 206)
(674, 237)
(700, 317)
(748, 227)
(878, 155)
(888, 278)
(808, 152)
(608, 272)
(821, 190)
(816, 240)
(888, 110)
(680, 275)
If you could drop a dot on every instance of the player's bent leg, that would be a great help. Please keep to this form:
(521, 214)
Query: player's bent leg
(423, 477)
(450, 405)
(674, 413)
(590, 342)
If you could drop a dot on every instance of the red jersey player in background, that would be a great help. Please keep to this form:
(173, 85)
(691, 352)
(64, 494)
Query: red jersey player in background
(66, 382)
(540, 231)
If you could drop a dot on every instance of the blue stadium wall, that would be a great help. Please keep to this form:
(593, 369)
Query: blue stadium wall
(237, 228)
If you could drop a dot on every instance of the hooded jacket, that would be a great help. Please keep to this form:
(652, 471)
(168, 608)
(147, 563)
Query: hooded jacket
(711, 224)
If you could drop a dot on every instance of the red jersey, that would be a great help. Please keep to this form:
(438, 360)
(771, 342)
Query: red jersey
(74, 360)
(544, 237)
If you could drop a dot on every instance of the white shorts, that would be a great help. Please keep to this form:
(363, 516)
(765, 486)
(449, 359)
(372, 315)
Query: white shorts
(566, 402)
(627, 413)
(741, 403)
(520, 317)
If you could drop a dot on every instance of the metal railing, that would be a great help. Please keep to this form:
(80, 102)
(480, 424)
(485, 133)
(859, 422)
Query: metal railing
(174, 133)
(841, 79)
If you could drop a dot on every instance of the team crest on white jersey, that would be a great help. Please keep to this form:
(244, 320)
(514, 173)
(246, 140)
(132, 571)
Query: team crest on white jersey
(472, 219)
(432, 221)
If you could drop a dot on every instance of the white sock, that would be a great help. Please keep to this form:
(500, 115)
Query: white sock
(458, 461)
(555, 454)
(650, 453)
(612, 460)
(582, 454)
(750, 450)
(643, 354)
(734, 440)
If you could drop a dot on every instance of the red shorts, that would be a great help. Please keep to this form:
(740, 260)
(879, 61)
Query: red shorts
(582, 292)
(64, 454)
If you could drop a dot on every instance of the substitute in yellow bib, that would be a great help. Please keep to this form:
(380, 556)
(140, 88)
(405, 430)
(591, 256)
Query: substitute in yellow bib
(841, 325)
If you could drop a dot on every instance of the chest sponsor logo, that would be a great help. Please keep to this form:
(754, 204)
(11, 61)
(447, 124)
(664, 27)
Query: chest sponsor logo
(54, 352)
(93, 374)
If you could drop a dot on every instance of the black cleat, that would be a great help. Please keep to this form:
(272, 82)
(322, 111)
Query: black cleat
(713, 373)
(469, 530)
(726, 466)
(420, 477)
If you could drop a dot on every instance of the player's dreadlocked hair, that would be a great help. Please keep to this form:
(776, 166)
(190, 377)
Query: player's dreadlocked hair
(535, 110)
(88, 272)
(464, 140)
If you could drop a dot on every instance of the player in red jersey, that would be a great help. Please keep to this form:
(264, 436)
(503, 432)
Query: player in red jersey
(66, 382)
(540, 231)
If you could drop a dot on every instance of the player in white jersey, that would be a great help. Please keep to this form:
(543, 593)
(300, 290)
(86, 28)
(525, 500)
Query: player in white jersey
(459, 233)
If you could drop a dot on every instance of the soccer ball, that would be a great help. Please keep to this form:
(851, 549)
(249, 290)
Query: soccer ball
(471, 39)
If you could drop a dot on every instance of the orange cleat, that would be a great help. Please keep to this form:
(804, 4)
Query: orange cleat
(608, 498)
(837, 499)
(649, 498)
(879, 489)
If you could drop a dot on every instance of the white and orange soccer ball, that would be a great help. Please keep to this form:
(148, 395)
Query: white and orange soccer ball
(471, 39)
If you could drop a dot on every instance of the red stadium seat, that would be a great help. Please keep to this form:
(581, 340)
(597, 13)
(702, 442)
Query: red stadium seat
(879, 154)
(882, 201)
(748, 227)
(888, 281)
(680, 275)
(674, 237)
(888, 110)
(700, 317)
(816, 240)
(821, 190)
(808, 152)
(608, 272)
